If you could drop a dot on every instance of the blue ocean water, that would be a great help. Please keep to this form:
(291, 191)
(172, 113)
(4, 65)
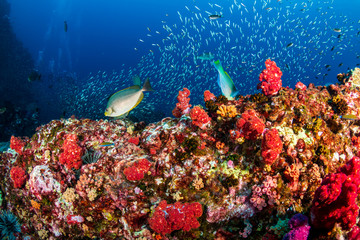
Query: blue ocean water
(108, 42)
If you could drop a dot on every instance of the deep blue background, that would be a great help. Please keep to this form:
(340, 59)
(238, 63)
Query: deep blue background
(102, 35)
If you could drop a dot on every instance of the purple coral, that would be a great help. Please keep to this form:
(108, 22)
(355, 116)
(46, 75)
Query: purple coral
(299, 225)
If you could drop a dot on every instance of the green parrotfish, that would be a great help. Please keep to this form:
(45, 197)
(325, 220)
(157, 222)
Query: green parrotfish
(123, 101)
(225, 82)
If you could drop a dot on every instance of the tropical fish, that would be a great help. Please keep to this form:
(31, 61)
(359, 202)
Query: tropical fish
(206, 56)
(349, 117)
(215, 16)
(2, 110)
(106, 144)
(65, 26)
(337, 30)
(289, 45)
(227, 86)
(123, 101)
(34, 76)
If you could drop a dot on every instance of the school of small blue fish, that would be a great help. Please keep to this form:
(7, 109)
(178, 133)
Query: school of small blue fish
(303, 37)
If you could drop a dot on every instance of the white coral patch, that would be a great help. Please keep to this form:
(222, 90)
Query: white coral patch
(42, 181)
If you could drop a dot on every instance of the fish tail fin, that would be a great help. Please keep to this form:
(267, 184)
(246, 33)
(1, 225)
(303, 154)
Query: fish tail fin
(147, 86)
(234, 94)
(137, 80)
(218, 65)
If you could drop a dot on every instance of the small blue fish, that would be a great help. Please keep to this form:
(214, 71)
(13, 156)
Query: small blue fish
(225, 82)
(205, 56)
(215, 16)
(106, 144)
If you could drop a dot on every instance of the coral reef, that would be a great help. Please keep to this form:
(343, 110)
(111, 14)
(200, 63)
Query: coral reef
(235, 169)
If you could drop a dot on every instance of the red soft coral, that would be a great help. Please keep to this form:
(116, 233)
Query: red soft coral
(335, 201)
(271, 146)
(18, 175)
(137, 171)
(270, 79)
(300, 86)
(199, 117)
(71, 155)
(354, 234)
(183, 106)
(249, 125)
(168, 218)
(209, 96)
(134, 140)
(17, 144)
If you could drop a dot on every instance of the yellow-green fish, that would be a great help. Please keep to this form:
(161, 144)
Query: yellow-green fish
(123, 101)
(227, 86)
(349, 117)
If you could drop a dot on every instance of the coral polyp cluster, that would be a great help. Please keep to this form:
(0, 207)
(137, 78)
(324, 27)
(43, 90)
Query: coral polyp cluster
(285, 165)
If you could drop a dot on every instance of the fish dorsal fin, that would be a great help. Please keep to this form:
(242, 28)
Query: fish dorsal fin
(139, 101)
(132, 87)
(147, 86)
(137, 80)
(233, 88)
(228, 76)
